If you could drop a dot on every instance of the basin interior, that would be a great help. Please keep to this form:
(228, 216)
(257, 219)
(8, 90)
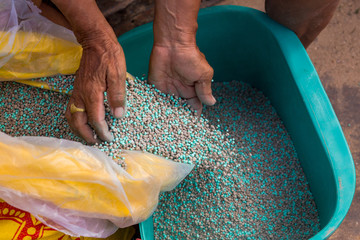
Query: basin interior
(245, 45)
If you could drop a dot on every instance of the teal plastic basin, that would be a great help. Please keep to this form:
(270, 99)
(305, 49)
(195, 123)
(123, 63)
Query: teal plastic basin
(244, 44)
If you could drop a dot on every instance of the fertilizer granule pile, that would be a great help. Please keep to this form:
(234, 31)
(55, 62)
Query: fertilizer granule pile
(247, 182)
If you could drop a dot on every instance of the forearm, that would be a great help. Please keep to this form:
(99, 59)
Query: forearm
(307, 18)
(176, 22)
(85, 18)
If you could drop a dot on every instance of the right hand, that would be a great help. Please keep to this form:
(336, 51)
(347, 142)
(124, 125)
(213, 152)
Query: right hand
(102, 68)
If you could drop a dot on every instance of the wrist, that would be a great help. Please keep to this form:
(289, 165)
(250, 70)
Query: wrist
(174, 37)
(87, 23)
(99, 36)
(175, 23)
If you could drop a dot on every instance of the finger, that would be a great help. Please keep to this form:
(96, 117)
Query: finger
(195, 105)
(116, 76)
(188, 92)
(184, 91)
(102, 130)
(95, 109)
(172, 90)
(78, 123)
(204, 93)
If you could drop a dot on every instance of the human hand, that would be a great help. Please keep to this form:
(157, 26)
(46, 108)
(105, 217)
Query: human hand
(102, 68)
(182, 71)
(176, 64)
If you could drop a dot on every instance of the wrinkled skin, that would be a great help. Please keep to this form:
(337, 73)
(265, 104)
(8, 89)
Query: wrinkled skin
(176, 64)
(183, 72)
(102, 69)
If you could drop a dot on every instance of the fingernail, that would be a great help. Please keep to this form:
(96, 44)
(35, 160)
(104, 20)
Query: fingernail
(118, 112)
(109, 137)
(197, 113)
(213, 100)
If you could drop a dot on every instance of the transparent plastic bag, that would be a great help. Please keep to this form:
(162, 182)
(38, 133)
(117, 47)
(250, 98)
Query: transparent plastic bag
(79, 190)
(31, 46)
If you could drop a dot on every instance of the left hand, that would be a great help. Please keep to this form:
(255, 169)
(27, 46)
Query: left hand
(182, 71)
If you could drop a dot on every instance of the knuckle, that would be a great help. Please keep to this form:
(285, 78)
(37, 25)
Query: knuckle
(93, 98)
(117, 97)
(76, 98)
(208, 75)
(116, 76)
(95, 121)
(95, 117)
(211, 72)
(76, 124)
(118, 50)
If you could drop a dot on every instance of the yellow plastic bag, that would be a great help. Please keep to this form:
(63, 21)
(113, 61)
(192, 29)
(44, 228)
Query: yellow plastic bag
(31, 46)
(77, 189)
(19, 224)
(72, 188)
(36, 55)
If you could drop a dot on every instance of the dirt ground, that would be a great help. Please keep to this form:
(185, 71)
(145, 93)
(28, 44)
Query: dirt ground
(336, 56)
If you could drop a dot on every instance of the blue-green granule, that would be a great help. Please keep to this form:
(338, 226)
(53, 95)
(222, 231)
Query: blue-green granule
(62, 83)
(247, 183)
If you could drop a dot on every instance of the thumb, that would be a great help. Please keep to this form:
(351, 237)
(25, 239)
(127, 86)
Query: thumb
(204, 92)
